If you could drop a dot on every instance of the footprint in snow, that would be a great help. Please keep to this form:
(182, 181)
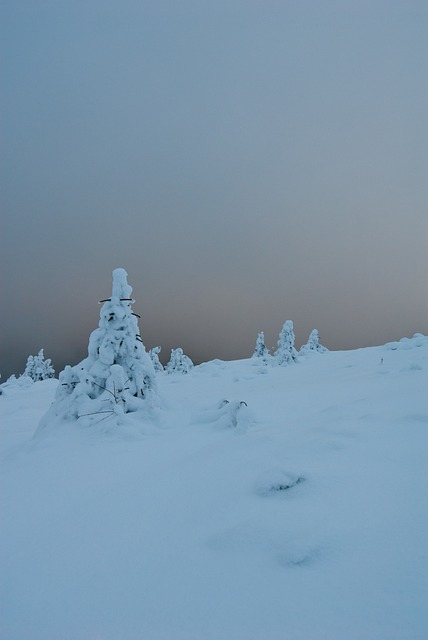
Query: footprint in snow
(277, 482)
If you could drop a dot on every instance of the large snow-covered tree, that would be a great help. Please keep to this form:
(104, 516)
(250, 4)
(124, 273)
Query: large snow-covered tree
(313, 345)
(37, 368)
(179, 362)
(286, 352)
(118, 376)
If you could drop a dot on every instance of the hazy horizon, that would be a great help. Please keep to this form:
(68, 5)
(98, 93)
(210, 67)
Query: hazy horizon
(245, 164)
(198, 346)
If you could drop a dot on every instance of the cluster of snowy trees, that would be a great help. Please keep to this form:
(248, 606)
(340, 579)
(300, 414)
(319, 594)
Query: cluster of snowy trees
(178, 362)
(286, 352)
(118, 376)
(37, 368)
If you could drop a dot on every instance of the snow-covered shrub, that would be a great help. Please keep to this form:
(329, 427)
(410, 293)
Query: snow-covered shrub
(117, 377)
(179, 363)
(286, 352)
(22, 381)
(154, 356)
(227, 414)
(38, 368)
(233, 413)
(417, 340)
(313, 345)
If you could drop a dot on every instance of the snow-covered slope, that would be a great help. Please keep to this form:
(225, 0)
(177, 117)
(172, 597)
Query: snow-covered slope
(295, 511)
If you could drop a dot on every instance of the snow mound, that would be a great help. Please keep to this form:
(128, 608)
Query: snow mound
(417, 340)
(232, 414)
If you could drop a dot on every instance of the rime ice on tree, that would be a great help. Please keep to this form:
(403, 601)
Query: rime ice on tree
(286, 352)
(313, 345)
(118, 376)
(154, 356)
(179, 363)
(37, 368)
(261, 356)
(117, 341)
(261, 350)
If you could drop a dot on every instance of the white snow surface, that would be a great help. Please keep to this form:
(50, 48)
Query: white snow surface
(296, 510)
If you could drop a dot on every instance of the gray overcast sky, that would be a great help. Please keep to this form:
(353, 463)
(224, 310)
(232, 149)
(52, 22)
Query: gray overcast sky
(246, 162)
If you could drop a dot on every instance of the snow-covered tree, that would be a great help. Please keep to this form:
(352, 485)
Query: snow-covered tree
(38, 368)
(286, 352)
(261, 350)
(154, 356)
(179, 363)
(117, 377)
(261, 356)
(313, 345)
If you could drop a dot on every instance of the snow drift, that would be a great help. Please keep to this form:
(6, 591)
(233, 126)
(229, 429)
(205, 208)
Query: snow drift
(299, 515)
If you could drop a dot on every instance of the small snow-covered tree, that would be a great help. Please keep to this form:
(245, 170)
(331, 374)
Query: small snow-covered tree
(37, 368)
(117, 377)
(179, 363)
(286, 352)
(154, 356)
(261, 350)
(313, 345)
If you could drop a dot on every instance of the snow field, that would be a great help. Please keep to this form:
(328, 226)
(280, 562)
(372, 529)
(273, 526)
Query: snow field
(300, 515)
